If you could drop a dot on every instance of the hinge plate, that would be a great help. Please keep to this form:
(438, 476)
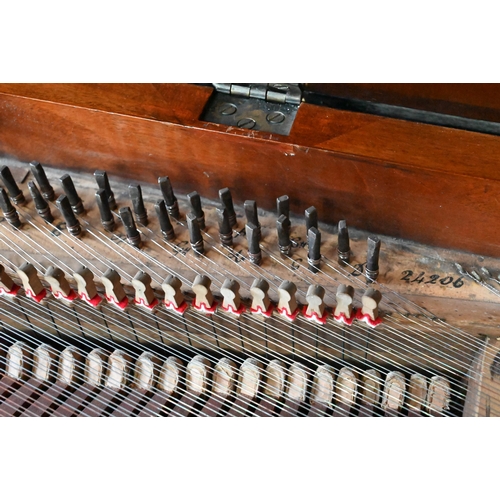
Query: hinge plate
(265, 107)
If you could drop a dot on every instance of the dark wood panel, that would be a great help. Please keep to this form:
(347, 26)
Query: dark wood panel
(426, 183)
(478, 101)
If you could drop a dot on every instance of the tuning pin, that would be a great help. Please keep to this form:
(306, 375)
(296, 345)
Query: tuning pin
(72, 223)
(9, 212)
(343, 246)
(70, 191)
(253, 235)
(7, 285)
(260, 299)
(287, 304)
(204, 300)
(252, 216)
(195, 202)
(227, 202)
(169, 197)
(315, 309)
(166, 227)
(230, 290)
(314, 246)
(133, 235)
(87, 290)
(225, 231)
(107, 219)
(174, 298)
(115, 294)
(372, 259)
(343, 309)
(283, 227)
(40, 177)
(140, 212)
(31, 282)
(16, 195)
(195, 236)
(41, 205)
(369, 311)
(311, 216)
(102, 180)
(144, 294)
(59, 285)
(283, 206)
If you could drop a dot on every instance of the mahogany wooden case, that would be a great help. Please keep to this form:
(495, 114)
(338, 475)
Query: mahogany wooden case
(435, 185)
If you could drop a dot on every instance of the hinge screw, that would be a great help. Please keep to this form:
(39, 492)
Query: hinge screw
(246, 123)
(275, 117)
(227, 109)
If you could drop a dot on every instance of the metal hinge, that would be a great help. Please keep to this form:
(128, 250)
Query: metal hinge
(269, 107)
(272, 92)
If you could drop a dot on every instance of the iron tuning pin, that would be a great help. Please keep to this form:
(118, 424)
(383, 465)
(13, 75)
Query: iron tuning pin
(39, 174)
(283, 228)
(133, 235)
(283, 205)
(72, 223)
(311, 216)
(107, 219)
(41, 205)
(250, 207)
(195, 202)
(166, 227)
(372, 259)
(9, 212)
(101, 177)
(16, 195)
(225, 230)
(314, 249)
(253, 237)
(140, 212)
(343, 244)
(169, 197)
(226, 200)
(72, 195)
(195, 236)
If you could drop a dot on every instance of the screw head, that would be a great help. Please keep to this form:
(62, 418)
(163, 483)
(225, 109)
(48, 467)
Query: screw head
(275, 117)
(246, 123)
(227, 109)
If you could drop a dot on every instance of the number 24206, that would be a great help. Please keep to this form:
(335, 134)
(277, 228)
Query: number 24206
(433, 279)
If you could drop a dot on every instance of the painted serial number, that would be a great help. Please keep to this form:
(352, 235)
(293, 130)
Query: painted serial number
(432, 279)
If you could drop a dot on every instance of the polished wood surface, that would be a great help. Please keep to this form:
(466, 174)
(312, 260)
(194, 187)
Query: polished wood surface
(426, 183)
(477, 101)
